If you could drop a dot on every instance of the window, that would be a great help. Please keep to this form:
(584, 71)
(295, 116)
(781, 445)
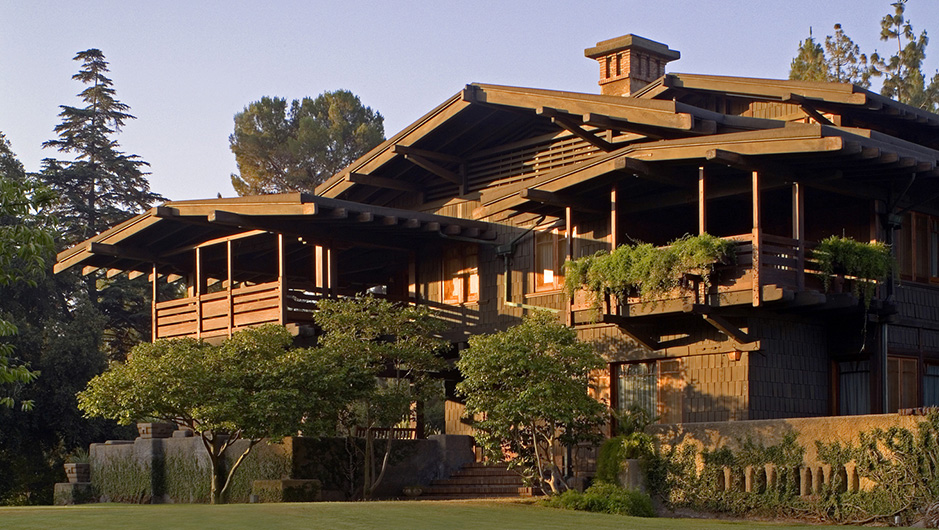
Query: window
(854, 388)
(931, 386)
(550, 254)
(654, 386)
(917, 244)
(902, 383)
(461, 274)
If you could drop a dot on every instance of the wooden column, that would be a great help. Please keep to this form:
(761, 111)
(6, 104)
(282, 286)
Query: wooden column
(231, 285)
(798, 231)
(412, 276)
(702, 203)
(281, 279)
(198, 292)
(153, 304)
(569, 255)
(757, 242)
(332, 276)
(613, 232)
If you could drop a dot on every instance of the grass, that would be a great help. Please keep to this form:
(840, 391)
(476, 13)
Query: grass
(412, 515)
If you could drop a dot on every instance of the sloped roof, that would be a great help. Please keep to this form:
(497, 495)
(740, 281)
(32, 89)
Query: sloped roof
(158, 235)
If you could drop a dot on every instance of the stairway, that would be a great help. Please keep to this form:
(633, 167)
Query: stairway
(479, 480)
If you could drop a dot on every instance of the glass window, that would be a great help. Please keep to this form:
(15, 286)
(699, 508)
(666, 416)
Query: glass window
(902, 383)
(550, 254)
(931, 386)
(654, 386)
(461, 274)
(854, 388)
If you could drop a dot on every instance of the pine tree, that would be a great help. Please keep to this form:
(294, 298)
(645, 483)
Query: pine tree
(809, 63)
(844, 61)
(903, 71)
(281, 149)
(101, 186)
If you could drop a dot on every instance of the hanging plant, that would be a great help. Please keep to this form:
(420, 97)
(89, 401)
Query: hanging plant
(868, 263)
(643, 269)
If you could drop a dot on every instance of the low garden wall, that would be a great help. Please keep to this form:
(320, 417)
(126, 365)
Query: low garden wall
(176, 469)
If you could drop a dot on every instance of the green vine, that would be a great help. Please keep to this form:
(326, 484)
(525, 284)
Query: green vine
(649, 271)
(870, 263)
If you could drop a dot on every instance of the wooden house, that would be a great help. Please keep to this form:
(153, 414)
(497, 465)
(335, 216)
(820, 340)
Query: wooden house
(474, 208)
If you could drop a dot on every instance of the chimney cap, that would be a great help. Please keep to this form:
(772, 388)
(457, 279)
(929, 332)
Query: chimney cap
(625, 42)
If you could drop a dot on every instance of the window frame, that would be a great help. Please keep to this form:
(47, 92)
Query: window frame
(459, 270)
(555, 238)
(669, 387)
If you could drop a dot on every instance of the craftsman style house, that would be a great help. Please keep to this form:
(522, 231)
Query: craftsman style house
(474, 208)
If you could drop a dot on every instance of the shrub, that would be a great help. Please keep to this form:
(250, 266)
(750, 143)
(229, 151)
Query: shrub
(645, 269)
(605, 498)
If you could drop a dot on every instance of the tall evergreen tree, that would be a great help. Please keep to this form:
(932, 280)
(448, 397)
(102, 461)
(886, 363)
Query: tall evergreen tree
(903, 71)
(844, 61)
(280, 149)
(809, 62)
(101, 186)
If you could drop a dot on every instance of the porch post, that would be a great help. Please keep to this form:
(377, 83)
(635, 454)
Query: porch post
(281, 280)
(231, 285)
(702, 202)
(153, 304)
(613, 236)
(569, 255)
(198, 292)
(798, 231)
(756, 242)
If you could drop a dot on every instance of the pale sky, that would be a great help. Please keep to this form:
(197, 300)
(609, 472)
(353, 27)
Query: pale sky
(185, 68)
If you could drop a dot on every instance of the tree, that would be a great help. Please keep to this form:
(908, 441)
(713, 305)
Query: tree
(99, 188)
(903, 71)
(840, 61)
(252, 386)
(845, 62)
(396, 345)
(529, 384)
(102, 186)
(280, 149)
(809, 63)
(25, 243)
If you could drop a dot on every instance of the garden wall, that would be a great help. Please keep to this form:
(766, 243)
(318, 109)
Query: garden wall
(172, 470)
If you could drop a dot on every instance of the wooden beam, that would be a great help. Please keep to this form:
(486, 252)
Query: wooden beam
(432, 155)
(89, 269)
(559, 199)
(134, 253)
(434, 169)
(757, 242)
(728, 158)
(383, 182)
(566, 122)
(798, 231)
(628, 329)
(702, 202)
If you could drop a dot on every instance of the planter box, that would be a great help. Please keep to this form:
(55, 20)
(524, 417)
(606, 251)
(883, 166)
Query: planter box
(156, 430)
(78, 473)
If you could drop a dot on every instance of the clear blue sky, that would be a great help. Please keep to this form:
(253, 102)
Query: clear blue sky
(186, 68)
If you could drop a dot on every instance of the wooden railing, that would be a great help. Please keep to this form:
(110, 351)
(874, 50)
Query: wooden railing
(221, 313)
(385, 433)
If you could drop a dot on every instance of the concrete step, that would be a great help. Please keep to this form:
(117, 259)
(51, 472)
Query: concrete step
(480, 481)
(484, 472)
(480, 490)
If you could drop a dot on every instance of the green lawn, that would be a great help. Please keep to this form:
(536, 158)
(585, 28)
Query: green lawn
(416, 515)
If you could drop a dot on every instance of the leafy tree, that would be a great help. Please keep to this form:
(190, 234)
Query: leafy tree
(809, 63)
(396, 345)
(252, 386)
(529, 385)
(903, 71)
(25, 243)
(280, 149)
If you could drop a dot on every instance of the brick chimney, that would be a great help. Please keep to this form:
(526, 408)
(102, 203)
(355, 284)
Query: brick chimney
(629, 63)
